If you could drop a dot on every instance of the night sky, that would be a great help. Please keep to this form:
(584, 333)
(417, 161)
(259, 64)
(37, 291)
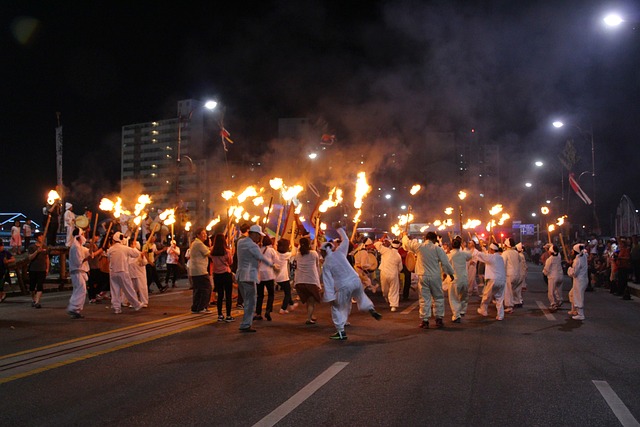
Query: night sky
(378, 74)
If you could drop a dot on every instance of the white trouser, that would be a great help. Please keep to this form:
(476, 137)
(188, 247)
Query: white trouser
(390, 284)
(576, 294)
(121, 282)
(554, 290)
(79, 282)
(458, 297)
(431, 290)
(341, 306)
(140, 286)
(513, 287)
(493, 291)
(471, 275)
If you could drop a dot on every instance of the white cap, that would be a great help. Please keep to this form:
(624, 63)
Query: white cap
(494, 247)
(395, 244)
(68, 206)
(519, 247)
(368, 242)
(578, 247)
(117, 237)
(256, 229)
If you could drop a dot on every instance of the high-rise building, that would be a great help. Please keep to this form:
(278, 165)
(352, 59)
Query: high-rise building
(169, 159)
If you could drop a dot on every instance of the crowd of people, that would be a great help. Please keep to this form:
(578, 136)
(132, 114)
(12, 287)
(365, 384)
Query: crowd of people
(118, 266)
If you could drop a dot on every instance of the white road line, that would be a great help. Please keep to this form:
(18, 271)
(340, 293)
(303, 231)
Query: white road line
(283, 410)
(410, 308)
(544, 308)
(619, 409)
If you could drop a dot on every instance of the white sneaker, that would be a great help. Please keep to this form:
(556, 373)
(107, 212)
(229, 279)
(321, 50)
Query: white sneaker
(482, 313)
(577, 317)
(117, 311)
(394, 309)
(283, 311)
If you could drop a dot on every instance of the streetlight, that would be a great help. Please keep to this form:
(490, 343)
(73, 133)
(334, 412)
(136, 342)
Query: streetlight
(558, 124)
(613, 20)
(461, 195)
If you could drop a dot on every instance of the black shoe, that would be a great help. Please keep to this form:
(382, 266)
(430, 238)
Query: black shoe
(75, 315)
(627, 298)
(458, 320)
(439, 323)
(247, 330)
(339, 336)
(37, 305)
(258, 317)
(267, 316)
(375, 314)
(164, 289)
(424, 324)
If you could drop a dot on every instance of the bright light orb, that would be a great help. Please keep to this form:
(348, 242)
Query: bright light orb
(210, 105)
(613, 20)
(539, 163)
(557, 124)
(313, 155)
(387, 196)
(528, 184)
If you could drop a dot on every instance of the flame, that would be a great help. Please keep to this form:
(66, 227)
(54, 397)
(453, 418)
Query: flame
(495, 210)
(52, 197)
(424, 228)
(168, 216)
(209, 226)
(106, 204)
(448, 211)
(227, 194)
(298, 209)
(289, 193)
(503, 218)
(491, 224)
(462, 195)
(396, 229)
(276, 183)
(187, 226)
(258, 201)
(143, 200)
(472, 223)
(137, 220)
(265, 210)
(301, 218)
(544, 210)
(437, 222)
(246, 216)
(560, 220)
(551, 227)
(357, 217)
(415, 189)
(323, 226)
(255, 218)
(331, 202)
(362, 189)
(248, 192)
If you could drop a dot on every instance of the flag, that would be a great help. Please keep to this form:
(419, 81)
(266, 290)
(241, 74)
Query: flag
(224, 135)
(579, 191)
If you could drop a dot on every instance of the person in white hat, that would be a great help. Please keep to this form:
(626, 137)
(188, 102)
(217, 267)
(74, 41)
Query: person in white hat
(512, 268)
(119, 278)
(555, 276)
(390, 268)
(70, 222)
(341, 284)
(495, 280)
(249, 257)
(430, 264)
(579, 272)
(524, 270)
(78, 270)
(364, 265)
(459, 288)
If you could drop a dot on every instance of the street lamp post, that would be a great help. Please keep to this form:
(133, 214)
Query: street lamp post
(559, 124)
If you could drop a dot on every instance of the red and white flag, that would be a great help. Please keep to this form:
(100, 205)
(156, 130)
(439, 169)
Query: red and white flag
(579, 191)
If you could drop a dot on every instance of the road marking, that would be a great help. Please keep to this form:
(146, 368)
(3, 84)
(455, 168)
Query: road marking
(31, 362)
(283, 410)
(546, 311)
(411, 307)
(619, 409)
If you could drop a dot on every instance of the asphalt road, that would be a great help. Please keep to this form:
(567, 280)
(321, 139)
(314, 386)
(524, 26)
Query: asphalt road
(165, 366)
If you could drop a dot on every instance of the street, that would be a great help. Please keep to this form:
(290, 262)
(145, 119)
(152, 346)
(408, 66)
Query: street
(166, 366)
